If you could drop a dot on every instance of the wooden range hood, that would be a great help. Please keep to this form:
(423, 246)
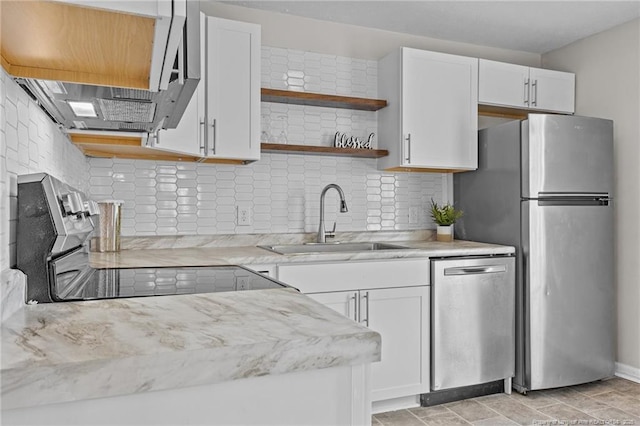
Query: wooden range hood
(53, 40)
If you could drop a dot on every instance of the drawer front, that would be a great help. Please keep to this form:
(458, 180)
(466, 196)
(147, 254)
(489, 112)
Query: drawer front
(323, 277)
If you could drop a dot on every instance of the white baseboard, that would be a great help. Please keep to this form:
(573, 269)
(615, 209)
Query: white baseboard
(628, 372)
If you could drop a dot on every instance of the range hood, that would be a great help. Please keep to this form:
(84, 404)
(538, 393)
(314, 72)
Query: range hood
(105, 96)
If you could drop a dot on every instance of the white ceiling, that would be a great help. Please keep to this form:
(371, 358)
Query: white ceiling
(530, 26)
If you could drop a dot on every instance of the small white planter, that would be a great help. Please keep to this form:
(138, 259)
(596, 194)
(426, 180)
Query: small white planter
(444, 233)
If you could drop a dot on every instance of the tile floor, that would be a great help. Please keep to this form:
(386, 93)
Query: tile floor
(611, 402)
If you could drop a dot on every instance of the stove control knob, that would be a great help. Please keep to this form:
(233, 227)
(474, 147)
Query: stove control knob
(72, 203)
(91, 207)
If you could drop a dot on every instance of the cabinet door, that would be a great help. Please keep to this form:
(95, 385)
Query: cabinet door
(188, 136)
(233, 89)
(552, 90)
(343, 302)
(439, 110)
(401, 316)
(503, 84)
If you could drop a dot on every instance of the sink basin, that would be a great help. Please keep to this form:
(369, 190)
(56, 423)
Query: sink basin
(330, 248)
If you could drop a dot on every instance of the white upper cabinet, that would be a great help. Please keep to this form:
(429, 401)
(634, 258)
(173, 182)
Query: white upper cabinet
(523, 87)
(233, 89)
(188, 137)
(222, 120)
(431, 118)
(552, 90)
(503, 84)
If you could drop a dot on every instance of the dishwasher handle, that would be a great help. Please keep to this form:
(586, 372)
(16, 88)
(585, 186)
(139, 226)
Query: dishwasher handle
(474, 270)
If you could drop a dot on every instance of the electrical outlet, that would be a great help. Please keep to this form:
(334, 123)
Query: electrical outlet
(244, 215)
(413, 215)
(242, 283)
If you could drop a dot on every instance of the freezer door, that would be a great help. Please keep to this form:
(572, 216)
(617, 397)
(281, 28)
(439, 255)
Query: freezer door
(473, 321)
(566, 155)
(569, 292)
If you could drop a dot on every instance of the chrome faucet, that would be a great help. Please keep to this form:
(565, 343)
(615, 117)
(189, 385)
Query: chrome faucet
(322, 234)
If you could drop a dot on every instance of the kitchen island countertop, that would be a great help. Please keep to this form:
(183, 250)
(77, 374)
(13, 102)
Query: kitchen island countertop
(80, 350)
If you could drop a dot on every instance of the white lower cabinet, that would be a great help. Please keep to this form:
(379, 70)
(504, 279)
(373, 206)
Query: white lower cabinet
(401, 316)
(343, 302)
(328, 396)
(397, 308)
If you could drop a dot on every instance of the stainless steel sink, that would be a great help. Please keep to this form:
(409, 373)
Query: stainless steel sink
(330, 247)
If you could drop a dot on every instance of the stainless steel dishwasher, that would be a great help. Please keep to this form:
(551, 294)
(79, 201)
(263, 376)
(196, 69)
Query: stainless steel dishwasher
(472, 321)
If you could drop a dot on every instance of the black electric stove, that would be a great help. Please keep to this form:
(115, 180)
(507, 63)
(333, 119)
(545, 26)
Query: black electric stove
(54, 223)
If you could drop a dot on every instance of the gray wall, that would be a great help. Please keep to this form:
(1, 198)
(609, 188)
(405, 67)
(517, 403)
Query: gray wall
(607, 67)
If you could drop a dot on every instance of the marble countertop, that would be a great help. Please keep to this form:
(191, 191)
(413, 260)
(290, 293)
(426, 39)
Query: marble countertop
(252, 255)
(79, 350)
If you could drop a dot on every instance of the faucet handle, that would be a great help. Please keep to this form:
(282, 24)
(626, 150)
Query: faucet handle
(332, 233)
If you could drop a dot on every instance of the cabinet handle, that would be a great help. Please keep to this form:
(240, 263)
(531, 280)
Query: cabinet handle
(366, 308)
(354, 297)
(203, 129)
(215, 131)
(151, 140)
(526, 91)
(155, 135)
(408, 156)
(156, 138)
(534, 97)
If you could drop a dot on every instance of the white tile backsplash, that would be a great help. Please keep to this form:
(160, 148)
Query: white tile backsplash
(277, 199)
(281, 192)
(30, 143)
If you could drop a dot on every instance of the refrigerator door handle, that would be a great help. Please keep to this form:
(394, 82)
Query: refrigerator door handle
(574, 202)
(573, 195)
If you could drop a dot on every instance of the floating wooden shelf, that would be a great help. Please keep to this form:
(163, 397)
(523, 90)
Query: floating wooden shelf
(323, 150)
(318, 99)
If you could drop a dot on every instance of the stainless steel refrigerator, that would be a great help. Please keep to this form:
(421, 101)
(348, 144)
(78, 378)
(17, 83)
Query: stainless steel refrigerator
(544, 185)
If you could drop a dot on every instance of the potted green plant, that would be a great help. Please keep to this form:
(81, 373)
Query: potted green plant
(444, 216)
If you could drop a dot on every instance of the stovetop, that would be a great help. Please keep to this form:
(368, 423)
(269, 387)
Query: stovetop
(137, 282)
(73, 279)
